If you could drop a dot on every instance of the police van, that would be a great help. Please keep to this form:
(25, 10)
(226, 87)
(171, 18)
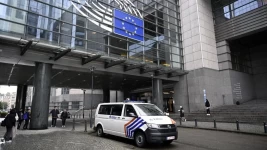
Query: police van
(142, 122)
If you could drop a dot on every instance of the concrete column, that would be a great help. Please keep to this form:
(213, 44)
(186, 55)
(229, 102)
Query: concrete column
(224, 55)
(41, 96)
(21, 97)
(18, 97)
(181, 96)
(157, 93)
(24, 96)
(106, 95)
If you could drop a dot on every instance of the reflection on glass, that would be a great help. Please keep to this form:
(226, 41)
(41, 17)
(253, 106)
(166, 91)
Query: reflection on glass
(72, 24)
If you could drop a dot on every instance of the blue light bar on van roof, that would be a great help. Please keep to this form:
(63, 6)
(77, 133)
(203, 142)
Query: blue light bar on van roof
(131, 101)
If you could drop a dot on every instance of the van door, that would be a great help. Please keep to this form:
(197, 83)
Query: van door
(115, 118)
(126, 120)
(102, 117)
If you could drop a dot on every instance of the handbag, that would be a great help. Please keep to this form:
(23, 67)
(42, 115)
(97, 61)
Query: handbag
(3, 123)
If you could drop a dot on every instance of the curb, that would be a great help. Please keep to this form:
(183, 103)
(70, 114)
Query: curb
(232, 131)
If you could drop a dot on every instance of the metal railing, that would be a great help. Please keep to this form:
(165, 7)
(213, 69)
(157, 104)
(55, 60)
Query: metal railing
(234, 126)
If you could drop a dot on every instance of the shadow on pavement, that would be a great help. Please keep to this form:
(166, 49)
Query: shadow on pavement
(132, 145)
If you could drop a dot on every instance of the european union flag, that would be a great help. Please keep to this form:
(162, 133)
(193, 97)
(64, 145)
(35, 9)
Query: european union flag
(128, 25)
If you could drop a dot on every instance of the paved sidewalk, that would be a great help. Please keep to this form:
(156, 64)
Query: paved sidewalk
(244, 128)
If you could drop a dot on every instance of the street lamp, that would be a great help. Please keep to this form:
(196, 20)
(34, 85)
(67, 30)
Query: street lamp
(152, 90)
(83, 101)
(92, 89)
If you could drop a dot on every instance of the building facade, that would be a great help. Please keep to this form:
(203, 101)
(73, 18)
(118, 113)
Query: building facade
(168, 52)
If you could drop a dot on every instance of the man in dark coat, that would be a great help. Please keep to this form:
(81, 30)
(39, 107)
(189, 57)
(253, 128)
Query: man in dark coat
(207, 104)
(182, 113)
(10, 121)
(20, 115)
(54, 113)
(64, 116)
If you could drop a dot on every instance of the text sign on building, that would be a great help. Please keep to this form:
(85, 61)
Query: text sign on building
(128, 25)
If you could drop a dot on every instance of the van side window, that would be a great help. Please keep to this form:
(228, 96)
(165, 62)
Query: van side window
(129, 109)
(116, 110)
(104, 110)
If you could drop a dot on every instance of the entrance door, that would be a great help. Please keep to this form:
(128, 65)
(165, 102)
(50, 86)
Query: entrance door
(170, 105)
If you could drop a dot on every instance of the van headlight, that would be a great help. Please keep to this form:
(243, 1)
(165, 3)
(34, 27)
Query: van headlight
(153, 126)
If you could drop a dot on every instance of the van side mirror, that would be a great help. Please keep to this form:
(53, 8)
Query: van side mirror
(132, 115)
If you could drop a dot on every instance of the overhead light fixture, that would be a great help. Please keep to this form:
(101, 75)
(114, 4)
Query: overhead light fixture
(93, 32)
(79, 74)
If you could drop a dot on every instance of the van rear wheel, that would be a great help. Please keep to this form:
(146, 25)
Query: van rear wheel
(99, 131)
(140, 139)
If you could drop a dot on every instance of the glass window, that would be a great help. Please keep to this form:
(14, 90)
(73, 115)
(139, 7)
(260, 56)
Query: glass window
(64, 105)
(75, 105)
(104, 110)
(129, 109)
(116, 110)
(148, 110)
(89, 26)
(225, 10)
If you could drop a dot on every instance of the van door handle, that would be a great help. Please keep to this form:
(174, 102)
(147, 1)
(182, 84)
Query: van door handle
(122, 118)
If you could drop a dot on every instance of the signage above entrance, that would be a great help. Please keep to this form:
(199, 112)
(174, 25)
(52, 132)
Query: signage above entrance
(126, 21)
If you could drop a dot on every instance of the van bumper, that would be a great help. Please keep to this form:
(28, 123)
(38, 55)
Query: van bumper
(160, 135)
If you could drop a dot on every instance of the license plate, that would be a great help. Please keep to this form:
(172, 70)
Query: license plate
(171, 138)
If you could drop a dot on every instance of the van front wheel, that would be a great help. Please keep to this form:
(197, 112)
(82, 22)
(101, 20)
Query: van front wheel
(140, 139)
(99, 131)
(167, 142)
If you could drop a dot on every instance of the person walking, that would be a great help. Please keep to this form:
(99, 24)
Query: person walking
(26, 117)
(64, 116)
(54, 113)
(182, 113)
(207, 104)
(20, 120)
(10, 122)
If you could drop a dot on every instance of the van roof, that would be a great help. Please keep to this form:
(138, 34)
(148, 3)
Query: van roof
(123, 103)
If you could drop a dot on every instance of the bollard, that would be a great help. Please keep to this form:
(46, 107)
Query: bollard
(237, 125)
(215, 124)
(180, 121)
(73, 124)
(85, 125)
(265, 127)
(195, 122)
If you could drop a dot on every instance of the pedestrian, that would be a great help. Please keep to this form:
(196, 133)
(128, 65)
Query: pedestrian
(9, 122)
(207, 104)
(26, 117)
(54, 113)
(182, 113)
(64, 116)
(20, 120)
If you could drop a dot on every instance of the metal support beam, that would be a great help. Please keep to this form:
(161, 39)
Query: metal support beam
(131, 67)
(60, 54)
(113, 63)
(89, 59)
(26, 47)
(162, 72)
(146, 70)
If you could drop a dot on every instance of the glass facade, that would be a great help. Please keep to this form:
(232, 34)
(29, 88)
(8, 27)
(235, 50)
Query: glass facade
(86, 25)
(224, 10)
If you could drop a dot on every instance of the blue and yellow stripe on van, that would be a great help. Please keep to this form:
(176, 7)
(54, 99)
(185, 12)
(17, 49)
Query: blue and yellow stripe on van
(132, 125)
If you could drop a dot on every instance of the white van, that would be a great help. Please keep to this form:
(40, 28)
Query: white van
(143, 122)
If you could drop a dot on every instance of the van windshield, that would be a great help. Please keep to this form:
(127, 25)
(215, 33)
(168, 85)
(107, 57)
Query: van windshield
(148, 110)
